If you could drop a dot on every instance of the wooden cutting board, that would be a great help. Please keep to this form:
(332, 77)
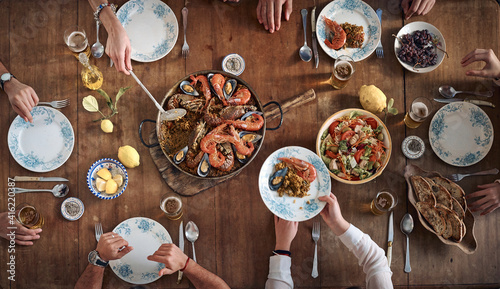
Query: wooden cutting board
(186, 185)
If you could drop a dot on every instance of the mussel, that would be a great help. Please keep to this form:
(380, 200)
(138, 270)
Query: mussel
(229, 88)
(246, 115)
(204, 166)
(250, 136)
(180, 155)
(241, 158)
(187, 88)
(276, 179)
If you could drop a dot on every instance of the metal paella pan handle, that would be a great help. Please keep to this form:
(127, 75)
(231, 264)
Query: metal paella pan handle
(140, 134)
(281, 114)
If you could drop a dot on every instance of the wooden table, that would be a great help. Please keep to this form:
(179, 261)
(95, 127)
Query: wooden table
(237, 231)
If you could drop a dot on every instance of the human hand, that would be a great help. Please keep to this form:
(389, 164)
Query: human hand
(22, 98)
(269, 13)
(21, 234)
(170, 255)
(118, 47)
(109, 245)
(285, 232)
(332, 215)
(421, 7)
(490, 70)
(489, 198)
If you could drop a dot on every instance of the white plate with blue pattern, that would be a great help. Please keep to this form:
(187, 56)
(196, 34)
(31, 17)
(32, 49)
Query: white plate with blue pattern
(461, 134)
(45, 144)
(354, 12)
(145, 236)
(291, 208)
(151, 27)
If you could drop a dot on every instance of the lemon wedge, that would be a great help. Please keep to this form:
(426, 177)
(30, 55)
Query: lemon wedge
(111, 187)
(128, 156)
(118, 179)
(100, 184)
(107, 126)
(104, 173)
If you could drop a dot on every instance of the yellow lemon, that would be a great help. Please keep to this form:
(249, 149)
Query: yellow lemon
(100, 184)
(372, 98)
(104, 173)
(128, 156)
(107, 126)
(111, 187)
(118, 179)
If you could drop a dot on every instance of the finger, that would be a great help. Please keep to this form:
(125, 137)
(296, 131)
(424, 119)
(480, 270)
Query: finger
(27, 237)
(404, 5)
(486, 186)
(127, 59)
(125, 251)
(491, 209)
(476, 194)
(270, 16)
(428, 8)
(24, 243)
(264, 16)
(165, 271)
(29, 98)
(288, 9)
(22, 230)
(413, 9)
(483, 207)
(480, 73)
(119, 242)
(421, 8)
(156, 258)
(277, 16)
(34, 96)
(478, 56)
(25, 113)
(259, 11)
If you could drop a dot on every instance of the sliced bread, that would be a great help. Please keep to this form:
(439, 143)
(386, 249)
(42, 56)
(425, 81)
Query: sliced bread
(448, 232)
(423, 190)
(457, 226)
(432, 215)
(455, 190)
(458, 209)
(442, 196)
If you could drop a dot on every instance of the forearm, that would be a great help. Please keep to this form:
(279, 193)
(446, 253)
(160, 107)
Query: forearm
(107, 17)
(3, 69)
(202, 278)
(91, 278)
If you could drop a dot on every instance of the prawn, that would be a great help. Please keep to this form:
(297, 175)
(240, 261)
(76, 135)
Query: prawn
(339, 37)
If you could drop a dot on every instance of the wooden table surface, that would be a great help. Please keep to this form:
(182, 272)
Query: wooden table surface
(237, 230)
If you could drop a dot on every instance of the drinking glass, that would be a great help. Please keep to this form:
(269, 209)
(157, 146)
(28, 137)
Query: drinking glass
(76, 40)
(343, 69)
(171, 205)
(28, 216)
(383, 202)
(419, 110)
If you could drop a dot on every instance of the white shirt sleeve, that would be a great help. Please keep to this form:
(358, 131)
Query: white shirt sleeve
(370, 256)
(280, 276)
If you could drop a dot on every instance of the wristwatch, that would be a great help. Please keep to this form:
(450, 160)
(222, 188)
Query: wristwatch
(95, 259)
(5, 77)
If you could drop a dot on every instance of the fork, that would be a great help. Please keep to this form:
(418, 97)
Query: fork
(185, 47)
(380, 50)
(98, 231)
(459, 177)
(315, 236)
(56, 103)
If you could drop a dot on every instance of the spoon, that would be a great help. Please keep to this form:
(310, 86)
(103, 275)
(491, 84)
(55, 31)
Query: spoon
(406, 228)
(192, 234)
(169, 115)
(449, 92)
(97, 49)
(60, 190)
(305, 52)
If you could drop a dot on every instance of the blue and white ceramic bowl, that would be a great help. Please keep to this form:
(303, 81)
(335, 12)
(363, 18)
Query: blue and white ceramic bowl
(74, 201)
(115, 167)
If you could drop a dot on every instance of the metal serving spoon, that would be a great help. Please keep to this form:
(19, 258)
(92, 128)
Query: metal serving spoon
(60, 190)
(449, 92)
(97, 49)
(192, 234)
(406, 228)
(305, 52)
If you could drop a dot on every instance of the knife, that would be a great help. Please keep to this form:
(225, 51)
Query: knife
(314, 41)
(390, 238)
(473, 101)
(181, 246)
(39, 179)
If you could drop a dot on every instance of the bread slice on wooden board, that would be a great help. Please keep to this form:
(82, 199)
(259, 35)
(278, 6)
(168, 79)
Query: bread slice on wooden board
(448, 232)
(456, 225)
(464, 229)
(423, 190)
(454, 190)
(431, 214)
(442, 196)
(458, 209)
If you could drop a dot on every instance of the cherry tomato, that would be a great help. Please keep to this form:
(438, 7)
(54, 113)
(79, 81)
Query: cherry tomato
(330, 154)
(354, 124)
(358, 155)
(372, 122)
(331, 129)
(373, 158)
(348, 134)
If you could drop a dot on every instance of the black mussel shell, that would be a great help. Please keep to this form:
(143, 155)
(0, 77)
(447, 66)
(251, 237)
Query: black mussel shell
(180, 155)
(233, 83)
(187, 88)
(246, 115)
(204, 166)
(278, 174)
(254, 137)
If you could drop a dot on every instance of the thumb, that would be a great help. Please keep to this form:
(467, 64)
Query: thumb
(165, 271)
(288, 9)
(327, 199)
(125, 251)
(480, 73)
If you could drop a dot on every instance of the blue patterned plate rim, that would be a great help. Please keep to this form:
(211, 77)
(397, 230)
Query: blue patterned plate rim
(33, 161)
(140, 230)
(290, 208)
(354, 12)
(480, 132)
(91, 173)
(170, 28)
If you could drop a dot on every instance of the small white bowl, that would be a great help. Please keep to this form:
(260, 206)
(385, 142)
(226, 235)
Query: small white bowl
(115, 167)
(76, 202)
(419, 25)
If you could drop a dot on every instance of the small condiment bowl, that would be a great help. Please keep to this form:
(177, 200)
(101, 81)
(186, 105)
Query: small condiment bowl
(72, 202)
(233, 63)
(413, 147)
(115, 167)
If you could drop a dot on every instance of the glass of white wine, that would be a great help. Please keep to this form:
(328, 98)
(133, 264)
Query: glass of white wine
(76, 40)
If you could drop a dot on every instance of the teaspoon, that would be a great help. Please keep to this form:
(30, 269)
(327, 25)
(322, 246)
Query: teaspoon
(305, 52)
(97, 49)
(406, 228)
(192, 233)
(449, 92)
(60, 190)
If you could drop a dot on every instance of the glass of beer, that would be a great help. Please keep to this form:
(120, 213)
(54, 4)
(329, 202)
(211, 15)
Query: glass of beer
(171, 205)
(343, 69)
(383, 202)
(76, 40)
(420, 109)
(28, 216)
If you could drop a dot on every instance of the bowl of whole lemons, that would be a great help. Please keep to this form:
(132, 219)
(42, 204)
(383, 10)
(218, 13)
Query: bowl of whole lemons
(107, 179)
